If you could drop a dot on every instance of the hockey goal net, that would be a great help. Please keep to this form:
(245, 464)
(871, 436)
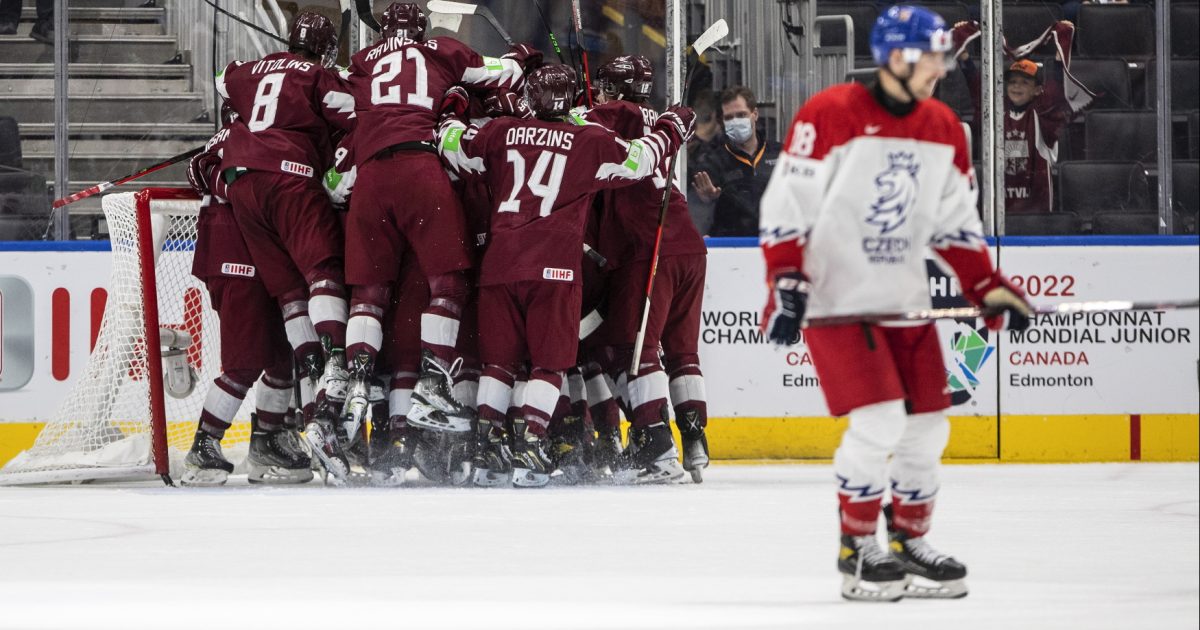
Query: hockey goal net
(133, 412)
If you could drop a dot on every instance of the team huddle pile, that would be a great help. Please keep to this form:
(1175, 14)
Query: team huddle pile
(483, 339)
(458, 193)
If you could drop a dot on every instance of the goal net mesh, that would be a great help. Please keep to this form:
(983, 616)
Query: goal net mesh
(103, 428)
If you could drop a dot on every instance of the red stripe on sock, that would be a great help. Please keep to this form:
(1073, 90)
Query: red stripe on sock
(60, 326)
(1135, 437)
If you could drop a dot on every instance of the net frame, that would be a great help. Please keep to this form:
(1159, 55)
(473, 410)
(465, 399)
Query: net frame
(102, 430)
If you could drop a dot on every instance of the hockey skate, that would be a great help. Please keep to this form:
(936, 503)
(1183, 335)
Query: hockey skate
(695, 445)
(650, 458)
(608, 452)
(869, 574)
(931, 574)
(492, 464)
(391, 457)
(275, 458)
(531, 465)
(323, 439)
(433, 404)
(205, 464)
(573, 453)
(361, 392)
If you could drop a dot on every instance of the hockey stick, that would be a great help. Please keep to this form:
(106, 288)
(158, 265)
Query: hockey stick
(247, 23)
(462, 8)
(577, 16)
(968, 312)
(714, 33)
(99, 188)
(365, 16)
(550, 32)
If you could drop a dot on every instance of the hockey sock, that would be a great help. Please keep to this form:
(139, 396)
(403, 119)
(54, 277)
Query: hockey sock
(911, 518)
(603, 408)
(541, 397)
(495, 394)
(224, 399)
(648, 398)
(400, 394)
(272, 398)
(466, 387)
(327, 305)
(364, 330)
(562, 409)
(299, 327)
(440, 321)
(861, 460)
(688, 395)
(858, 518)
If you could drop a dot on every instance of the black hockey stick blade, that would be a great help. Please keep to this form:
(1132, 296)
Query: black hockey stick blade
(365, 16)
(245, 23)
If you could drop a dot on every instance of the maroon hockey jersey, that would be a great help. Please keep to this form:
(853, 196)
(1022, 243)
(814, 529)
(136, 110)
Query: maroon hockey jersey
(220, 249)
(544, 177)
(629, 219)
(290, 107)
(398, 84)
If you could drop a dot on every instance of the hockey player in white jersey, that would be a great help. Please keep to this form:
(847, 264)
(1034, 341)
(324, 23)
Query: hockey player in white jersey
(871, 179)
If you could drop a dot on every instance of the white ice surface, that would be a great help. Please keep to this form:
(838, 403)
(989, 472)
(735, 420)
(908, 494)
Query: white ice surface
(1075, 546)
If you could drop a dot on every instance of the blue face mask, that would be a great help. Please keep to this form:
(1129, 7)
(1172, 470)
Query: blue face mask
(739, 130)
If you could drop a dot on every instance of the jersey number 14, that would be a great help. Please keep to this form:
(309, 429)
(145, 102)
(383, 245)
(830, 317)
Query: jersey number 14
(543, 182)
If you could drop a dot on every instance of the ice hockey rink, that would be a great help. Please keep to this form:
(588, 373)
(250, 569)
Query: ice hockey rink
(1048, 546)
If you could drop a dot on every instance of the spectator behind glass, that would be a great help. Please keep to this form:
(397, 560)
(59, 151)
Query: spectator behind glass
(1035, 115)
(729, 181)
(706, 139)
(43, 26)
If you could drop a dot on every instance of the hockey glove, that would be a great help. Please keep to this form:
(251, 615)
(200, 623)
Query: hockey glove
(785, 308)
(527, 56)
(1004, 304)
(680, 120)
(200, 171)
(502, 102)
(455, 103)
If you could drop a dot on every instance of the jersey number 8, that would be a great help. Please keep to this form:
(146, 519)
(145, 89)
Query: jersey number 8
(266, 101)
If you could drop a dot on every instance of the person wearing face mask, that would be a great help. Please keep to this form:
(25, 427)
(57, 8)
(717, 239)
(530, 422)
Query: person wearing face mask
(731, 180)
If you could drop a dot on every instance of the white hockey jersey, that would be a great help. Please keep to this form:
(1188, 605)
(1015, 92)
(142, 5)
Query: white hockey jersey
(858, 196)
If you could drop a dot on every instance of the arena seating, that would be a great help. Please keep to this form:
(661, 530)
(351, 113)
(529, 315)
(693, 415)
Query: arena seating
(1108, 78)
(1087, 188)
(1116, 30)
(1023, 22)
(1121, 135)
(1049, 224)
(1185, 24)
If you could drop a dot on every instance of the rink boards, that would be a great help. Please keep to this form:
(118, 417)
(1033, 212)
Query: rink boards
(1097, 387)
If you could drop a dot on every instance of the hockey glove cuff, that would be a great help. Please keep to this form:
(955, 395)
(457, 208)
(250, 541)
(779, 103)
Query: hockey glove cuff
(200, 171)
(678, 120)
(785, 308)
(1004, 305)
(455, 103)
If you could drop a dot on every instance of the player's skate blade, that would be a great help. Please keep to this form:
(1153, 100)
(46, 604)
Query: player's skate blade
(484, 478)
(525, 478)
(855, 589)
(917, 587)
(336, 469)
(654, 460)
(277, 475)
(203, 478)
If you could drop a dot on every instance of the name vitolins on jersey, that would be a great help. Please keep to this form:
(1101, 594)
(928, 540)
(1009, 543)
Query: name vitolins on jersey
(896, 191)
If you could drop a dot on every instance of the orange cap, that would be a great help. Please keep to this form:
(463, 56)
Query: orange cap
(1025, 67)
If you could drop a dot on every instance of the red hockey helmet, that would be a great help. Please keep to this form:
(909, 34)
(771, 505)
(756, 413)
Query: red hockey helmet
(550, 90)
(314, 33)
(403, 18)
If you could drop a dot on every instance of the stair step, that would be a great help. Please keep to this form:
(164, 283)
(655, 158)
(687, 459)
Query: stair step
(137, 108)
(136, 146)
(104, 29)
(91, 48)
(95, 78)
(107, 166)
(103, 14)
(112, 4)
(201, 130)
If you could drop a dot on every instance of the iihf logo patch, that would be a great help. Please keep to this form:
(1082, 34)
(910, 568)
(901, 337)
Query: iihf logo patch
(897, 192)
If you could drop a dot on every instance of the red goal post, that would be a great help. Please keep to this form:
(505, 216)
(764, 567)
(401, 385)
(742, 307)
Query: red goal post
(133, 411)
